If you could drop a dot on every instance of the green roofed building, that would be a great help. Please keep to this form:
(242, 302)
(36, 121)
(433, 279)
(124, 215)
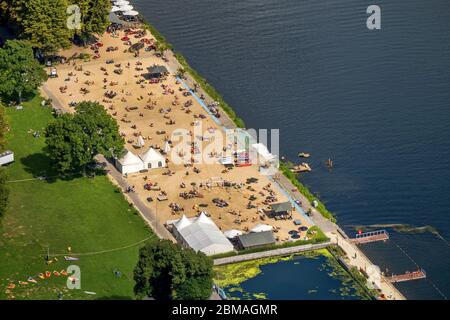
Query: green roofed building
(256, 239)
(282, 210)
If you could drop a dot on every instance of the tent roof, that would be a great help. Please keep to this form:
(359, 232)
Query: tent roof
(262, 150)
(256, 239)
(157, 69)
(130, 159)
(152, 155)
(202, 234)
(281, 207)
(260, 227)
(204, 219)
(182, 223)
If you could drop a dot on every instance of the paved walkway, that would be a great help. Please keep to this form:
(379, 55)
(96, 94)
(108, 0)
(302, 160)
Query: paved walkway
(271, 253)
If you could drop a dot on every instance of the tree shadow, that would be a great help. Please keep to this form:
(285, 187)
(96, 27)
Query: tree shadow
(41, 166)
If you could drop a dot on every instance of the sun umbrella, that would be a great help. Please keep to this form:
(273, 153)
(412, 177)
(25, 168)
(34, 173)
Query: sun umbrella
(126, 8)
(121, 3)
(131, 13)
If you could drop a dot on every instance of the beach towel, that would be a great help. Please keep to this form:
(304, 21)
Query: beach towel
(63, 272)
(23, 282)
(71, 258)
(31, 279)
(48, 274)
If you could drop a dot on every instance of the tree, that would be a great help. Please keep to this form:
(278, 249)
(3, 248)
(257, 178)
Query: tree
(74, 140)
(94, 16)
(44, 24)
(167, 271)
(20, 73)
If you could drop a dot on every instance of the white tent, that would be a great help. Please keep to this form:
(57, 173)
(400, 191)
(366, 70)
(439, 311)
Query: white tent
(153, 159)
(131, 13)
(182, 223)
(201, 234)
(260, 227)
(263, 153)
(130, 163)
(231, 234)
(115, 9)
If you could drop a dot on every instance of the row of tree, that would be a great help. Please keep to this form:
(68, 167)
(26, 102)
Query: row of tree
(48, 24)
(167, 271)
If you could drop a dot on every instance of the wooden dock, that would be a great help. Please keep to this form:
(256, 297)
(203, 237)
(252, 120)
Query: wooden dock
(407, 276)
(372, 236)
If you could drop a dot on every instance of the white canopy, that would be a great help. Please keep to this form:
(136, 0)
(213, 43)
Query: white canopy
(131, 13)
(182, 223)
(263, 152)
(202, 234)
(230, 234)
(115, 9)
(152, 155)
(121, 2)
(260, 227)
(130, 159)
(125, 8)
(203, 218)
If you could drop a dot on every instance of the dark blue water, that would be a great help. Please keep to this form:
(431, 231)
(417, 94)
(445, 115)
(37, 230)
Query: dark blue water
(376, 102)
(301, 276)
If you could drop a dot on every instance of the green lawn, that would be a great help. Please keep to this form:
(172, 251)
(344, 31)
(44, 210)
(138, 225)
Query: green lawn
(87, 214)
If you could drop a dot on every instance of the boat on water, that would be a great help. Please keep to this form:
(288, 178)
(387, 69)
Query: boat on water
(303, 167)
(329, 163)
(304, 155)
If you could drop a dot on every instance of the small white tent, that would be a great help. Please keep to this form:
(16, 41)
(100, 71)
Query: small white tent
(167, 147)
(261, 227)
(130, 163)
(153, 159)
(231, 234)
(140, 142)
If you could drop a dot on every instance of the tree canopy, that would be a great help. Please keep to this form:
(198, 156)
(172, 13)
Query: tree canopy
(167, 271)
(20, 73)
(73, 140)
(94, 15)
(44, 22)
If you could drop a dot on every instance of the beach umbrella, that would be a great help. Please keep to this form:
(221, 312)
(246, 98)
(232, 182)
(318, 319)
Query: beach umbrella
(126, 8)
(167, 147)
(121, 3)
(261, 228)
(131, 13)
(230, 234)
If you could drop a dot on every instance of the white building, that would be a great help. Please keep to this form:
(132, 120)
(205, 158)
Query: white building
(6, 157)
(201, 234)
(153, 159)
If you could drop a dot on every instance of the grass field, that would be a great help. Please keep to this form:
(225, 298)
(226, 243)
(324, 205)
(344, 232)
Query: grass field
(86, 214)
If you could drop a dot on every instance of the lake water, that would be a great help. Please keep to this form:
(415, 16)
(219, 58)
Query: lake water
(376, 102)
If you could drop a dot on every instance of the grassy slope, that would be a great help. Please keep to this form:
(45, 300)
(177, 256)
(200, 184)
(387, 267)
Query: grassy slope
(84, 213)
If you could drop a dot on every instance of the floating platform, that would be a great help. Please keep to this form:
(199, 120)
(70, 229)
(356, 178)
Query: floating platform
(407, 276)
(372, 236)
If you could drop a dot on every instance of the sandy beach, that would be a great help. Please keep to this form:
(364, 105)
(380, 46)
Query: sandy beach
(154, 111)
